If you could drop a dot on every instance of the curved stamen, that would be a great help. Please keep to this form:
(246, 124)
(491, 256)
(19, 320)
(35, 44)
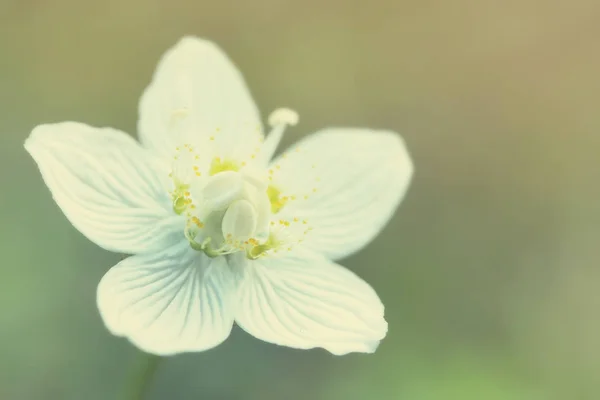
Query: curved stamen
(278, 120)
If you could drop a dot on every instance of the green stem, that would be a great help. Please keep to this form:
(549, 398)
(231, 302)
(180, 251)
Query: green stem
(141, 376)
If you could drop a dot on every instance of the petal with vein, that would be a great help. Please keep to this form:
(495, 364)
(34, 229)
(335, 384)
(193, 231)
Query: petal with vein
(302, 300)
(169, 302)
(198, 96)
(346, 183)
(107, 185)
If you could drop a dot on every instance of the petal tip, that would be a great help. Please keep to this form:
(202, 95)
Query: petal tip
(370, 347)
(398, 144)
(44, 134)
(33, 138)
(193, 43)
(367, 347)
(107, 307)
(399, 161)
(405, 157)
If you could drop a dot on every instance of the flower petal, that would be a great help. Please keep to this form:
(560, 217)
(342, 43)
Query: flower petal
(303, 301)
(168, 302)
(346, 183)
(106, 184)
(198, 96)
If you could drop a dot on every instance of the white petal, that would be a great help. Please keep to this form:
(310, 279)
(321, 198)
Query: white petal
(305, 301)
(197, 94)
(169, 302)
(107, 185)
(346, 183)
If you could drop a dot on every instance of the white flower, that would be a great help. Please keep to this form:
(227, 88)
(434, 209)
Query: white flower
(219, 232)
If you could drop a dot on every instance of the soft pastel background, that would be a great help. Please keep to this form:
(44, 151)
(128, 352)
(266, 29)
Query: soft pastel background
(490, 269)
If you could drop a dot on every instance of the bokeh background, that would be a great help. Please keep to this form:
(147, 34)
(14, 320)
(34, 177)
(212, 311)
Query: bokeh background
(490, 269)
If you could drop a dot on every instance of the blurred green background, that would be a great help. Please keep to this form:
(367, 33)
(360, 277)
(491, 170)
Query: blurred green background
(489, 270)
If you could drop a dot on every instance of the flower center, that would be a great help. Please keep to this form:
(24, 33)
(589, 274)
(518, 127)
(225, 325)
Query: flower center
(230, 205)
(226, 211)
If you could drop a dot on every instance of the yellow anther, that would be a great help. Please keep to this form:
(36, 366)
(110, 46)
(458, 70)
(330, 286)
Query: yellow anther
(180, 202)
(197, 222)
(212, 138)
(259, 250)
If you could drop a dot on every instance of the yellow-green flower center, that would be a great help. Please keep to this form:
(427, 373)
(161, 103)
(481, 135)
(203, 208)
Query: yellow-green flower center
(276, 199)
(260, 249)
(217, 165)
